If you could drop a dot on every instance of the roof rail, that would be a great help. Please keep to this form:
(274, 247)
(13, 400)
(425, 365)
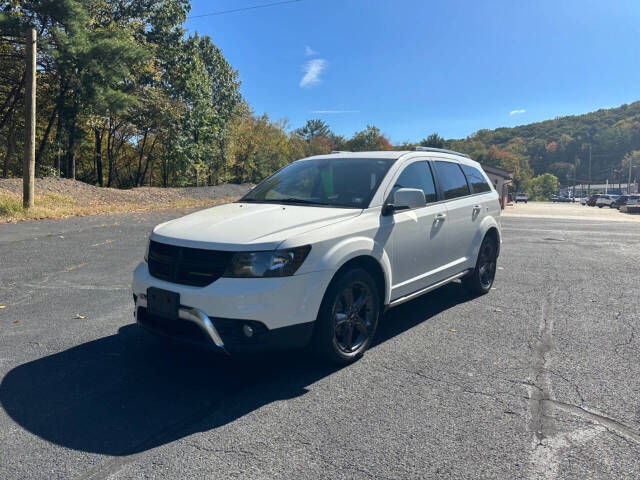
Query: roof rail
(441, 150)
(340, 151)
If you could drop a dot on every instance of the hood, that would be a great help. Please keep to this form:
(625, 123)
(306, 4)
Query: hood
(247, 226)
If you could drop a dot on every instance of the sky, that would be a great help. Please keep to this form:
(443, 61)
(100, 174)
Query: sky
(414, 67)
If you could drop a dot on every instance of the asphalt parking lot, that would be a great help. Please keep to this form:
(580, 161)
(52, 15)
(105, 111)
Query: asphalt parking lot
(539, 379)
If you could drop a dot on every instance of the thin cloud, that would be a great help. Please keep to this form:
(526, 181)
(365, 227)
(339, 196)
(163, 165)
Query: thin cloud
(309, 52)
(517, 112)
(312, 71)
(327, 112)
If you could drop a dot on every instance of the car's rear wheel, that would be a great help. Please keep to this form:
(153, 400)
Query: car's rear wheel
(348, 317)
(480, 280)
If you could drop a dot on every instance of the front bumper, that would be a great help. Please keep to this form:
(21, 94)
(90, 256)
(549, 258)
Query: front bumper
(193, 315)
(280, 311)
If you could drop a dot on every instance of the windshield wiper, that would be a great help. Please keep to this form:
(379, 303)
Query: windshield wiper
(293, 200)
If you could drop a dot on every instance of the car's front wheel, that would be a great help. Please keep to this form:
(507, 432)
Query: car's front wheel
(480, 280)
(348, 317)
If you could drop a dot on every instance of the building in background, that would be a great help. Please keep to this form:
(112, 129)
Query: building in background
(501, 180)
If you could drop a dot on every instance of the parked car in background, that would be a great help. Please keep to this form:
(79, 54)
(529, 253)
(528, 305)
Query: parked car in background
(592, 200)
(521, 197)
(623, 199)
(632, 205)
(314, 254)
(605, 200)
(584, 200)
(561, 199)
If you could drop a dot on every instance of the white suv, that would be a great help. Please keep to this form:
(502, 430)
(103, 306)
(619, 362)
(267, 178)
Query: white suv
(605, 200)
(315, 253)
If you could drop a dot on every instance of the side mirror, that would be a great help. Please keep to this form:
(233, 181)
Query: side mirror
(405, 199)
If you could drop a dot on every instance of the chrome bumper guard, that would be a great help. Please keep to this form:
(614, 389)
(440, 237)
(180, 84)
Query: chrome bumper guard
(191, 315)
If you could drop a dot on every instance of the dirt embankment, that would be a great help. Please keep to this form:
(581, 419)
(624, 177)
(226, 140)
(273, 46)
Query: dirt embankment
(61, 197)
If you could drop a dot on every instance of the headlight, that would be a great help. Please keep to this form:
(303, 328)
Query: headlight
(279, 263)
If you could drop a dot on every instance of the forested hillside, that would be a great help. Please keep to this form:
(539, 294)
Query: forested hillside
(555, 146)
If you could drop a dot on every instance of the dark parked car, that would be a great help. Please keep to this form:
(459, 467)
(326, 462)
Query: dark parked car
(623, 200)
(592, 200)
(618, 202)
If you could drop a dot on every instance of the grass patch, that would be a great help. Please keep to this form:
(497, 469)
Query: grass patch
(52, 205)
(49, 205)
(10, 205)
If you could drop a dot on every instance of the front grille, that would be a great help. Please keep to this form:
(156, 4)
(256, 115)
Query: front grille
(186, 266)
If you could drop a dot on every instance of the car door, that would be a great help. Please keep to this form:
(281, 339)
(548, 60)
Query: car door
(462, 213)
(481, 190)
(418, 236)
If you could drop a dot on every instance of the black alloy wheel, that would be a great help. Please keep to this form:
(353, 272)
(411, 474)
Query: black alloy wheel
(480, 280)
(353, 313)
(487, 262)
(348, 317)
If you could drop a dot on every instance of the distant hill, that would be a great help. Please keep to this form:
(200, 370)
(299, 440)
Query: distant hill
(553, 145)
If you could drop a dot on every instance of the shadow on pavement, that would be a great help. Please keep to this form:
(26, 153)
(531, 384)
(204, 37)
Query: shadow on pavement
(130, 392)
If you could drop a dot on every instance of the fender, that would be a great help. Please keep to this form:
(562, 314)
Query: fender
(351, 247)
(487, 223)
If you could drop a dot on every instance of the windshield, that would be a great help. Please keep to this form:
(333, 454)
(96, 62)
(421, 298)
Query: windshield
(336, 182)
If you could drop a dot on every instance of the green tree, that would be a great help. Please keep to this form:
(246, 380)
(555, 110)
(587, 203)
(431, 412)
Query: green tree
(544, 186)
(370, 139)
(434, 140)
(313, 129)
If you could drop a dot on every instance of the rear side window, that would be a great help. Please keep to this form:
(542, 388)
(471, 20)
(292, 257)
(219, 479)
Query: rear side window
(417, 175)
(453, 182)
(476, 179)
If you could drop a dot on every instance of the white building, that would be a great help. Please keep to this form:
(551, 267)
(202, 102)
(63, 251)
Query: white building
(501, 180)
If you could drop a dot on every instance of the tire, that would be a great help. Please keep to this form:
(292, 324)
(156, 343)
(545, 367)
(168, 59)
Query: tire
(480, 280)
(343, 332)
(600, 206)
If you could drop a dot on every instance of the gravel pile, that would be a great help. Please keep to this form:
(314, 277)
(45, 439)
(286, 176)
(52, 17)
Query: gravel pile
(85, 194)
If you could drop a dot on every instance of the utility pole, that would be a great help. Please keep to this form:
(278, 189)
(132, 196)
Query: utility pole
(575, 167)
(629, 180)
(589, 192)
(29, 166)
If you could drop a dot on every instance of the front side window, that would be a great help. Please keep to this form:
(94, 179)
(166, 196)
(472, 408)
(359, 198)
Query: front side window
(453, 182)
(337, 182)
(417, 175)
(476, 179)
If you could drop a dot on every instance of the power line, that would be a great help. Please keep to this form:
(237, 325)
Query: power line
(223, 12)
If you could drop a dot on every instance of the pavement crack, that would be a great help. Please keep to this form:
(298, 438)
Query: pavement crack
(592, 416)
(568, 381)
(494, 395)
(540, 386)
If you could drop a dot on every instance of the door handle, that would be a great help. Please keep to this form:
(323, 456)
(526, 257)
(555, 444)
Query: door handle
(477, 208)
(440, 217)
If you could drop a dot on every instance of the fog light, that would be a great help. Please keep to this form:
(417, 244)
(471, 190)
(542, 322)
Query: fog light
(248, 331)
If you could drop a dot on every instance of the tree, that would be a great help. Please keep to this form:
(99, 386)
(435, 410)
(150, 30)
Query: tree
(313, 129)
(544, 186)
(434, 140)
(369, 139)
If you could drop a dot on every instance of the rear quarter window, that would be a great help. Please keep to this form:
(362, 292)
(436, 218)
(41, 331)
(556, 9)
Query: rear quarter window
(476, 179)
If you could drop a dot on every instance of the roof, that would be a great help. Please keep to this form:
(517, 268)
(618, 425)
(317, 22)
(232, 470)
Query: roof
(388, 154)
(496, 171)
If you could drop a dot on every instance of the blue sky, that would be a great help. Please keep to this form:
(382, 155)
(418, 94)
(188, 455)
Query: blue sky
(413, 67)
